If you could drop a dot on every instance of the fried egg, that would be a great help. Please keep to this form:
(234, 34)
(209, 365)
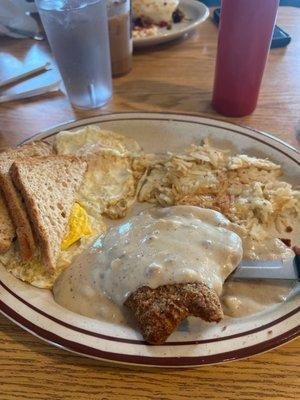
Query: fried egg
(78, 226)
(93, 139)
(109, 186)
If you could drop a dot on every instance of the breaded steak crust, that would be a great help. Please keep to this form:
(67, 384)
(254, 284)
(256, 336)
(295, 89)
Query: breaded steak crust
(159, 311)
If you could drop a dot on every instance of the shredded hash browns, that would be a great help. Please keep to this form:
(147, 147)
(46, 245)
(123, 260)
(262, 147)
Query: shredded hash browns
(247, 190)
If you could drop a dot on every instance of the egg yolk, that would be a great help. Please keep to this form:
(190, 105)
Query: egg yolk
(78, 226)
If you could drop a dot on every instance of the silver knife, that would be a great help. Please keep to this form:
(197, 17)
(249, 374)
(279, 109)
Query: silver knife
(45, 67)
(51, 87)
(25, 33)
(288, 269)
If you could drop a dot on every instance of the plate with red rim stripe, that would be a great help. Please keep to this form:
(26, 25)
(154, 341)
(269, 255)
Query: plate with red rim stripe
(233, 338)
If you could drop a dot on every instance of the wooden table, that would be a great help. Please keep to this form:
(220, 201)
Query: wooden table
(176, 77)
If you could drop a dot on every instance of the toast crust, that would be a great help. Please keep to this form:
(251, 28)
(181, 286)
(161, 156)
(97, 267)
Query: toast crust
(13, 200)
(19, 218)
(49, 198)
(7, 230)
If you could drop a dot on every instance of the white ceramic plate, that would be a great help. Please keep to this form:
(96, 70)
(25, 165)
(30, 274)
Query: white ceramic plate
(195, 13)
(35, 310)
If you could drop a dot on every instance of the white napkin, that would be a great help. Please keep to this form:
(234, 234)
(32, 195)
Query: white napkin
(13, 15)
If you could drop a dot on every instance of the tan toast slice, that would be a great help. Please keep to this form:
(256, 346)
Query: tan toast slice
(49, 186)
(7, 230)
(13, 200)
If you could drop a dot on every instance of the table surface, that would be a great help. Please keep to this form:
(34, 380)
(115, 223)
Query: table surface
(176, 77)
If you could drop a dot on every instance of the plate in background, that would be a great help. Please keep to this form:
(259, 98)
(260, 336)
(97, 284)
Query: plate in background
(195, 13)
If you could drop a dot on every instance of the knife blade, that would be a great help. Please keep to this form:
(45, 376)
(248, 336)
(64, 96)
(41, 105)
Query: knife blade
(51, 87)
(288, 269)
(46, 66)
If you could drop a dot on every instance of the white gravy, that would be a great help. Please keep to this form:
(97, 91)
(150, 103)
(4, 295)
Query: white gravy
(78, 289)
(241, 298)
(164, 246)
(157, 247)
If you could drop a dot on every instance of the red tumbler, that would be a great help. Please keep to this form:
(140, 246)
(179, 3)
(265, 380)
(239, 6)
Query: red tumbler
(246, 28)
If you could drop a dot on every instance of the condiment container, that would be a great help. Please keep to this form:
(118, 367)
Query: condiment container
(245, 35)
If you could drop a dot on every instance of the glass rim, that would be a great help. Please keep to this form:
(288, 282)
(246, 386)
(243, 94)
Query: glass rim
(64, 5)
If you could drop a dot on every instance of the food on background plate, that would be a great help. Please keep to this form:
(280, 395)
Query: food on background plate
(141, 31)
(149, 15)
(154, 11)
(163, 276)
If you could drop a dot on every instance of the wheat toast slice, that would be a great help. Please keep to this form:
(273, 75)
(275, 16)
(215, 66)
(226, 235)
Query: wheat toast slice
(19, 225)
(48, 186)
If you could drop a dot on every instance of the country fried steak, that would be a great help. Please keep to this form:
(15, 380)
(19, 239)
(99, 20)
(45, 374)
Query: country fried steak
(159, 311)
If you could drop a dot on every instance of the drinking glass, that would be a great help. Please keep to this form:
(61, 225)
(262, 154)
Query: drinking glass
(77, 31)
(120, 36)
